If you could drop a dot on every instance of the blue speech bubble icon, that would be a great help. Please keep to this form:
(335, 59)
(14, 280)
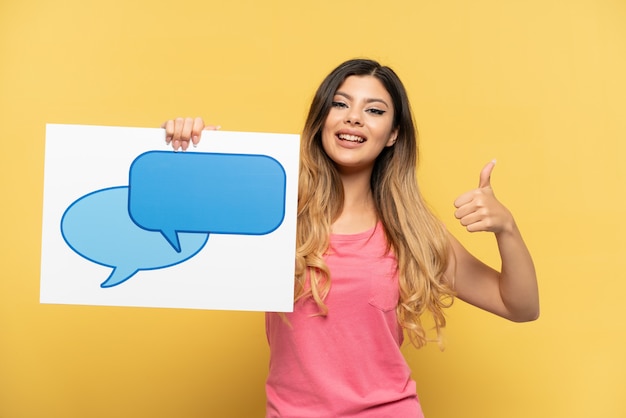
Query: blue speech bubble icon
(214, 193)
(98, 227)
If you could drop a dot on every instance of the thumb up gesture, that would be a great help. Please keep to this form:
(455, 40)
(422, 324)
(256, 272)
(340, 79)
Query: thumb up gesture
(479, 210)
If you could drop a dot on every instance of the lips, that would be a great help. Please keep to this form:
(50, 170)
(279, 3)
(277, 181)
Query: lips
(351, 138)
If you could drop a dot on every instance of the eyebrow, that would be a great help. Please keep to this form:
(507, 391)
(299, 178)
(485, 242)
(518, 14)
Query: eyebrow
(368, 100)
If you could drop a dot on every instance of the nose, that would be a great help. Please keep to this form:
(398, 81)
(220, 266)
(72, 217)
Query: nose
(353, 117)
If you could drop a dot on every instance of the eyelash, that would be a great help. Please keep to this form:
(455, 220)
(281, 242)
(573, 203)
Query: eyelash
(375, 111)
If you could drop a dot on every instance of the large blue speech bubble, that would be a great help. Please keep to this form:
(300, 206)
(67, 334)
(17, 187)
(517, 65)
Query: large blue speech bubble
(98, 227)
(213, 193)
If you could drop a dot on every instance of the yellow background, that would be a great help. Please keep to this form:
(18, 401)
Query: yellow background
(539, 85)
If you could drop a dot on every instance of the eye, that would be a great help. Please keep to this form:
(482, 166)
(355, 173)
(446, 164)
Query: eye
(339, 104)
(375, 111)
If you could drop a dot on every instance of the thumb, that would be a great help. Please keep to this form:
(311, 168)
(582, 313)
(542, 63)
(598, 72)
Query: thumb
(485, 175)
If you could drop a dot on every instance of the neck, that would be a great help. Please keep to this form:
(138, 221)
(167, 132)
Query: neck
(359, 213)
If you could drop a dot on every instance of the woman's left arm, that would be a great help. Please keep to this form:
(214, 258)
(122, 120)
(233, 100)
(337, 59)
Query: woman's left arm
(511, 293)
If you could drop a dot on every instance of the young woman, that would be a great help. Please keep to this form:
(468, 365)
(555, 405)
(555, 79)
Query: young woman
(371, 258)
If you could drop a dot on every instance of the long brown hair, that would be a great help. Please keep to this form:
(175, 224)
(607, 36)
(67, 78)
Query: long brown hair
(416, 237)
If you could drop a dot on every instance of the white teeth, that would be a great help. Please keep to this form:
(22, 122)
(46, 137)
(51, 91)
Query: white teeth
(351, 138)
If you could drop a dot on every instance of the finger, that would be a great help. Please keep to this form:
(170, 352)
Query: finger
(196, 130)
(475, 221)
(195, 139)
(485, 175)
(464, 199)
(464, 211)
(472, 217)
(186, 133)
(480, 226)
(179, 124)
(169, 130)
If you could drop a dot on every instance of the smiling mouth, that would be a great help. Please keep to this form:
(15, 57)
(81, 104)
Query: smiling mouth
(351, 138)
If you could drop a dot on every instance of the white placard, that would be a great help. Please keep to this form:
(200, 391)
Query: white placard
(128, 222)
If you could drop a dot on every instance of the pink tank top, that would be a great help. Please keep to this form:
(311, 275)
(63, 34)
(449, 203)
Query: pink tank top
(347, 364)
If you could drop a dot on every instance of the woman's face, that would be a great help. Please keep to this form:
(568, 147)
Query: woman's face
(359, 125)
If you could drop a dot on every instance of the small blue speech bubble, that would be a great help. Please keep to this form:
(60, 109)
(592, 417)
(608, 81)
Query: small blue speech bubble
(98, 227)
(213, 193)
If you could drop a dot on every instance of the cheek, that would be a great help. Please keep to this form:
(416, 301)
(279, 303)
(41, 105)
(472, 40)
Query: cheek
(331, 121)
(390, 132)
(326, 140)
(328, 133)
